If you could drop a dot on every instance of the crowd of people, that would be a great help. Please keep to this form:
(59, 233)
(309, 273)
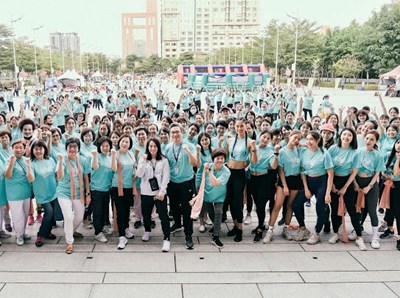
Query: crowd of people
(241, 148)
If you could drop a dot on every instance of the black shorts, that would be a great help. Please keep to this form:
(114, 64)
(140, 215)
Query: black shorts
(293, 182)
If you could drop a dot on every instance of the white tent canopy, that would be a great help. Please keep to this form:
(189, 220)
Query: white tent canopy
(71, 78)
(97, 74)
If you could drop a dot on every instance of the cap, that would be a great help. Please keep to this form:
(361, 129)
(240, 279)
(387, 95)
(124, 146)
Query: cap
(328, 127)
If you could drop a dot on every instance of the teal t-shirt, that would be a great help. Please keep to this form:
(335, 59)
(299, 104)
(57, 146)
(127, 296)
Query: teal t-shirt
(308, 102)
(370, 162)
(289, 161)
(344, 160)
(238, 149)
(315, 163)
(18, 187)
(128, 170)
(216, 194)
(45, 184)
(3, 195)
(264, 157)
(5, 154)
(101, 178)
(386, 144)
(204, 159)
(56, 150)
(180, 168)
(64, 185)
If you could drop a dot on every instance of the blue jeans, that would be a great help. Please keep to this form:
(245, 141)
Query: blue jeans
(47, 221)
(317, 187)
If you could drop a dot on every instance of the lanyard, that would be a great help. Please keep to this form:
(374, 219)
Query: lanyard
(176, 156)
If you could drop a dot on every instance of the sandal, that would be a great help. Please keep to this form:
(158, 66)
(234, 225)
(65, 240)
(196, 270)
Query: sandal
(69, 249)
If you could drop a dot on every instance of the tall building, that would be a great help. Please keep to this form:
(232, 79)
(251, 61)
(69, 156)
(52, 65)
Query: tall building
(65, 41)
(202, 26)
(140, 31)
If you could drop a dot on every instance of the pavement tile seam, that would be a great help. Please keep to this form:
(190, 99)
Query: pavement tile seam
(358, 261)
(393, 291)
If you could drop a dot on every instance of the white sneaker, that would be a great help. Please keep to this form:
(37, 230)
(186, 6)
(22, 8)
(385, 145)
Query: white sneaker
(129, 234)
(334, 238)
(122, 241)
(352, 236)
(268, 237)
(101, 238)
(209, 222)
(166, 246)
(202, 228)
(20, 240)
(247, 219)
(314, 239)
(107, 231)
(87, 224)
(286, 234)
(360, 243)
(302, 234)
(146, 236)
(375, 243)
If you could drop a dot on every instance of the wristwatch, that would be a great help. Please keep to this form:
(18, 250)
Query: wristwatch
(87, 194)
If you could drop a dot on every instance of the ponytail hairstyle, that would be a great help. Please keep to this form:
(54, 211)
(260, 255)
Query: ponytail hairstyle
(376, 135)
(317, 137)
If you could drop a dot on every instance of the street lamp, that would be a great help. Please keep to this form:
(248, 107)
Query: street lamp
(296, 19)
(276, 53)
(263, 46)
(16, 70)
(34, 49)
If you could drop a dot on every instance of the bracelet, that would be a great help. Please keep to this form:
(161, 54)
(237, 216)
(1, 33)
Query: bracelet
(253, 150)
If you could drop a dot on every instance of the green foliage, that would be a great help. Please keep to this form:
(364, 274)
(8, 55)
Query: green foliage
(348, 66)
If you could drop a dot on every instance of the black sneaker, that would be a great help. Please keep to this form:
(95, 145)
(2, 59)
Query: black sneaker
(153, 224)
(175, 228)
(388, 233)
(137, 224)
(398, 244)
(215, 240)
(189, 242)
(281, 222)
(327, 227)
(258, 228)
(232, 232)
(258, 236)
(211, 231)
(238, 237)
(51, 236)
(381, 210)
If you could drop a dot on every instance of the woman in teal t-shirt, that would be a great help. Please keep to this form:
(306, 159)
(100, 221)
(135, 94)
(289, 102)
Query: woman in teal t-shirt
(73, 191)
(18, 190)
(103, 168)
(41, 173)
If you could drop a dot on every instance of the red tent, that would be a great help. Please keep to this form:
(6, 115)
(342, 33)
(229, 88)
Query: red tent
(391, 74)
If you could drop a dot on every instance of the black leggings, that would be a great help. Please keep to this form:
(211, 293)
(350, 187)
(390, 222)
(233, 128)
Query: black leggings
(394, 211)
(234, 195)
(258, 188)
(122, 207)
(148, 203)
(350, 199)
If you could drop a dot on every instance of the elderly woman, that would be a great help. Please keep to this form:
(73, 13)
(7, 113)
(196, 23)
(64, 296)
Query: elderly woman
(18, 190)
(73, 191)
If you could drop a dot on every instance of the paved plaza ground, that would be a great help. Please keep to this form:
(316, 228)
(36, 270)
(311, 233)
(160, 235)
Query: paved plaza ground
(279, 269)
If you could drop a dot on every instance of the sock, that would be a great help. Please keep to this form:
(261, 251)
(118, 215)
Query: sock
(375, 233)
(270, 228)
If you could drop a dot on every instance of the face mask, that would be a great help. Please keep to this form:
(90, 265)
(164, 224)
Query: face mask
(193, 111)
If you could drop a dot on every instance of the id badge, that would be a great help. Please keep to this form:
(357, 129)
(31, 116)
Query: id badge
(176, 170)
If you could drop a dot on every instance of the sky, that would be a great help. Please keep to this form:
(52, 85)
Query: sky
(98, 22)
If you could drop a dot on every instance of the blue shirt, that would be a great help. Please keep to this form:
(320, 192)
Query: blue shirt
(315, 163)
(180, 168)
(18, 187)
(238, 149)
(101, 178)
(206, 158)
(370, 162)
(344, 160)
(3, 196)
(128, 170)
(45, 184)
(289, 161)
(216, 194)
(64, 184)
(264, 157)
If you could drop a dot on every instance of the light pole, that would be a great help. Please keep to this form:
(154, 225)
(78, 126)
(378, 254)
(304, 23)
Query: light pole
(263, 46)
(62, 53)
(276, 53)
(296, 19)
(34, 50)
(16, 70)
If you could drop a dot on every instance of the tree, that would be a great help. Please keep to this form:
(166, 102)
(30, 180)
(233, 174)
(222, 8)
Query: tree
(131, 61)
(348, 66)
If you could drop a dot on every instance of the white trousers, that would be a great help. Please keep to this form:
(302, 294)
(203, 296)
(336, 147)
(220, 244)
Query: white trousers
(73, 211)
(19, 213)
